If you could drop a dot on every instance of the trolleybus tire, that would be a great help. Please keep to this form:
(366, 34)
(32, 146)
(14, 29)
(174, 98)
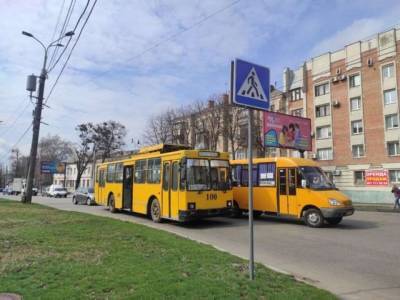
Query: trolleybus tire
(155, 210)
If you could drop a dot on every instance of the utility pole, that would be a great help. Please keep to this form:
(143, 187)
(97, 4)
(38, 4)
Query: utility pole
(27, 196)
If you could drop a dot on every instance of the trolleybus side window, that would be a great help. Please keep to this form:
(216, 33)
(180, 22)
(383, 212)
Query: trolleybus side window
(175, 175)
(165, 182)
(110, 173)
(140, 171)
(119, 172)
(154, 170)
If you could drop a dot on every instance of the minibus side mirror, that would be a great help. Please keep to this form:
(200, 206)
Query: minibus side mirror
(304, 183)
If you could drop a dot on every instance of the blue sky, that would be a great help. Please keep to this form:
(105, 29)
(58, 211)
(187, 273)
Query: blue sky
(109, 76)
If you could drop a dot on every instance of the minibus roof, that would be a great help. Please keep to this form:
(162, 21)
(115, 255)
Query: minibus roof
(280, 161)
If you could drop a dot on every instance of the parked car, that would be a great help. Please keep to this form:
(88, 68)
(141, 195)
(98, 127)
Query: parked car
(57, 191)
(34, 191)
(84, 196)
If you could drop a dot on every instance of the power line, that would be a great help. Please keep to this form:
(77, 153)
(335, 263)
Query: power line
(69, 56)
(17, 142)
(69, 40)
(4, 132)
(64, 27)
(157, 44)
(58, 21)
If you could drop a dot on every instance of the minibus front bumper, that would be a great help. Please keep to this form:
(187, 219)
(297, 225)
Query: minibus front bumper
(193, 214)
(337, 212)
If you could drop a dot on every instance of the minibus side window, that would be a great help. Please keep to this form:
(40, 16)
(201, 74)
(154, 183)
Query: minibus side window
(292, 181)
(266, 174)
(245, 176)
(299, 178)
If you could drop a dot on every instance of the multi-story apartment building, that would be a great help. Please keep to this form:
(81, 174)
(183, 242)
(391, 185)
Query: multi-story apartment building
(352, 98)
(69, 178)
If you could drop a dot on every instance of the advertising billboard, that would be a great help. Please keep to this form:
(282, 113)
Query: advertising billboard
(376, 177)
(286, 131)
(51, 167)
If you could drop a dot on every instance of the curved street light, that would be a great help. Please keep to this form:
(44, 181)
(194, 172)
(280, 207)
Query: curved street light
(27, 197)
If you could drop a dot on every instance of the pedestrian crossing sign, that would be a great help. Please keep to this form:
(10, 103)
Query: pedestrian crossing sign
(250, 85)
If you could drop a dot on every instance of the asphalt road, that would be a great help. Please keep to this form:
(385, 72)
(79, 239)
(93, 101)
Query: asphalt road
(359, 259)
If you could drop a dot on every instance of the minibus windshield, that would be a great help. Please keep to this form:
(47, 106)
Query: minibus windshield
(316, 178)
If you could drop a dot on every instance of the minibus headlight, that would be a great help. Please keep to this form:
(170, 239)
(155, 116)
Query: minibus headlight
(334, 202)
(191, 205)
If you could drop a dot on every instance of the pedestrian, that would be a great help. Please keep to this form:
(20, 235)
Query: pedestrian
(396, 194)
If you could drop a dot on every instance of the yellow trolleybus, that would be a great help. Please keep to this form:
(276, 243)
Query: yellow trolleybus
(294, 187)
(167, 182)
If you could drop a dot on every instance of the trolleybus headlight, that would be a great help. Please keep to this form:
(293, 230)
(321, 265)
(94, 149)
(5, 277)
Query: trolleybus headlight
(229, 203)
(334, 202)
(191, 205)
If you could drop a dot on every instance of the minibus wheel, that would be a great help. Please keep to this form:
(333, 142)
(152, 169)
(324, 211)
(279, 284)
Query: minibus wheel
(314, 218)
(334, 221)
(155, 211)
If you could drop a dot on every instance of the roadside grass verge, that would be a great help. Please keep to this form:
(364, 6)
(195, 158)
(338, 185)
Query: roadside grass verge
(51, 254)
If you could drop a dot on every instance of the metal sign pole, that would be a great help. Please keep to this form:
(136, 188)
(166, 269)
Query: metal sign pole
(250, 175)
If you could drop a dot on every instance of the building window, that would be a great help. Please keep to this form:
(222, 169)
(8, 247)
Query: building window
(295, 94)
(355, 80)
(324, 154)
(393, 148)
(355, 103)
(324, 132)
(356, 127)
(388, 71)
(389, 96)
(392, 121)
(297, 112)
(322, 89)
(359, 177)
(358, 151)
(323, 110)
(394, 176)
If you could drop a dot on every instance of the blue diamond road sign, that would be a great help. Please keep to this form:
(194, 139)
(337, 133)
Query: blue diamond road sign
(251, 85)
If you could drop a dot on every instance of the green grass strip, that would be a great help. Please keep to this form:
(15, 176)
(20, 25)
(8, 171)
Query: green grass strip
(51, 254)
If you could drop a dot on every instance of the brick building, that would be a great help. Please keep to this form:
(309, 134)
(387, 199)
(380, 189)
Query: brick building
(352, 98)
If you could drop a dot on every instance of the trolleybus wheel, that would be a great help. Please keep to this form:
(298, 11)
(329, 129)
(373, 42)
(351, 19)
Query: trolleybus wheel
(111, 204)
(155, 211)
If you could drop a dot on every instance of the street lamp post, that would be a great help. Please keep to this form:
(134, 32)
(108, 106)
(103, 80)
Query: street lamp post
(27, 196)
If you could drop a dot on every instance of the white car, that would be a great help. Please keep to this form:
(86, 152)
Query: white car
(57, 191)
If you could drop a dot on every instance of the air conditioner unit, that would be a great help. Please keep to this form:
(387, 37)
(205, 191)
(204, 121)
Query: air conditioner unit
(336, 173)
(338, 71)
(343, 77)
(335, 79)
(335, 103)
(314, 155)
(370, 62)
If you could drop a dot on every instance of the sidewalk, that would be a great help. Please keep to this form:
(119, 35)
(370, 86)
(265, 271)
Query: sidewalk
(381, 207)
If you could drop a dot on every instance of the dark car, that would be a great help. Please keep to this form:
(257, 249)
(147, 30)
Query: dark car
(83, 196)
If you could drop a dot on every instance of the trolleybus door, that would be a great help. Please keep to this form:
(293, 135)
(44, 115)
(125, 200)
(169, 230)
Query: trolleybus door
(170, 193)
(101, 186)
(127, 187)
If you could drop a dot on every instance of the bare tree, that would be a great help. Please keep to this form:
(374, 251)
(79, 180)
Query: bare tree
(108, 137)
(233, 120)
(52, 148)
(209, 121)
(157, 130)
(84, 150)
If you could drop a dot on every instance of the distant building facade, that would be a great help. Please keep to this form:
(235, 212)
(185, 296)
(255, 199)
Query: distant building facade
(352, 98)
(69, 178)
